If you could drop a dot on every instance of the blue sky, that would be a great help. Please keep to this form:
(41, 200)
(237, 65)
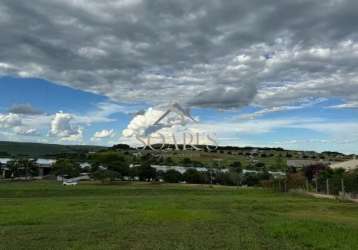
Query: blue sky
(257, 73)
(308, 128)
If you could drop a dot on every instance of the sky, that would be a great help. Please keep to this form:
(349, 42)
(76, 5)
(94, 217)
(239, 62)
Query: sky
(253, 73)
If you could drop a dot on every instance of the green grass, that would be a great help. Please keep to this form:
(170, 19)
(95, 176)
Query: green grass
(46, 215)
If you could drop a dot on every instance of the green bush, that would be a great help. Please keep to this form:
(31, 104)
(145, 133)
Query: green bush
(172, 176)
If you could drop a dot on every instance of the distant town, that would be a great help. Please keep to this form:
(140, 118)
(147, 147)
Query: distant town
(227, 165)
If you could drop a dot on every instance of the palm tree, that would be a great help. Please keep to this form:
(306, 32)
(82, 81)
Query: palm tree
(13, 168)
(28, 165)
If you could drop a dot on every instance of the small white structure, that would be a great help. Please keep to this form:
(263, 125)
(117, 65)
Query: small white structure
(180, 169)
(70, 183)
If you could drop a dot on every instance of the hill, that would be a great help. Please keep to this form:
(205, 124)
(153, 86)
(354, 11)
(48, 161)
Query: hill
(8, 149)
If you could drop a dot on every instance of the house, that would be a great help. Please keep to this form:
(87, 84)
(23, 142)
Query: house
(180, 169)
(4, 161)
(44, 166)
(277, 174)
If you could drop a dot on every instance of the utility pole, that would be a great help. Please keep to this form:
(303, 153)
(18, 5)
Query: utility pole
(316, 181)
(342, 187)
(307, 186)
(327, 185)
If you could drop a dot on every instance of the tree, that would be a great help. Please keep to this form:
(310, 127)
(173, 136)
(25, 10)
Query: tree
(187, 162)
(28, 166)
(121, 147)
(313, 170)
(194, 176)
(279, 163)
(112, 161)
(264, 175)
(260, 165)
(228, 178)
(1, 169)
(236, 166)
(172, 176)
(13, 168)
(250, 179)
(22, 167)
(133, 172)
(146, 172)
(105, 175)
(296, 180)
(66, 167)
(351, 181)
(169, 161)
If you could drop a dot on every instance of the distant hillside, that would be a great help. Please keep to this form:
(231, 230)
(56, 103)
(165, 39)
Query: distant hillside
(42, 150)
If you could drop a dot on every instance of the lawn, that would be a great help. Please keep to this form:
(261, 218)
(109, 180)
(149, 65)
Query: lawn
(46, 215)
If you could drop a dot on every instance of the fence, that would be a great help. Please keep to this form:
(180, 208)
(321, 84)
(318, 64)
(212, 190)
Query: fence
(341, 187)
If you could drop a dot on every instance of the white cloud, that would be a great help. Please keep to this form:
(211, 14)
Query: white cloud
(306, 103)
(10, 120)
(348, 105)
(223, 55)
(26, 131)
(103, 134)
(15, 125)
(158, 119)
(141, 123)
(62, 128)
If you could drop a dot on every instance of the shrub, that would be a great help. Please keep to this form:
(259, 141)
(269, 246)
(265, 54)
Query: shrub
(105, 175)
(172, 176)
(66, 167)
(194, 176)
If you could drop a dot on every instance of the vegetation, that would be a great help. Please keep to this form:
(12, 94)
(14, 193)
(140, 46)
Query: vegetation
(115, 164)
(66, 168)
(37, 150)
(105, 175)
(172, 176)
(47, 215)
(21, 168)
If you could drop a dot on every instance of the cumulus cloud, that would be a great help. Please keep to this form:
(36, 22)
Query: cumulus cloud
(62, 128)
(10, 120)
(24, 109)
(103, 134)
(15, 125)
(156, 119)
(206, 53)
(27, 122)
(141, 123)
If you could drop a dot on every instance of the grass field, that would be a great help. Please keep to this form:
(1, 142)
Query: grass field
(46, 215)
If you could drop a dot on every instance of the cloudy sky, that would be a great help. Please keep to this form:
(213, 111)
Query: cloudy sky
(261, 73)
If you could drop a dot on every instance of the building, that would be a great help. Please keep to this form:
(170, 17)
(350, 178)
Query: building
(44, 166)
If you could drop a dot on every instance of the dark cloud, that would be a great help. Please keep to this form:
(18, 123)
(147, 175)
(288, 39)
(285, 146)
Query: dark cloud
(159, 50)
(224, 98)
(24, 109)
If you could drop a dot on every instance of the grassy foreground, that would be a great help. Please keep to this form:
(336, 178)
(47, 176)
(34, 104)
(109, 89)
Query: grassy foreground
(46, 215)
